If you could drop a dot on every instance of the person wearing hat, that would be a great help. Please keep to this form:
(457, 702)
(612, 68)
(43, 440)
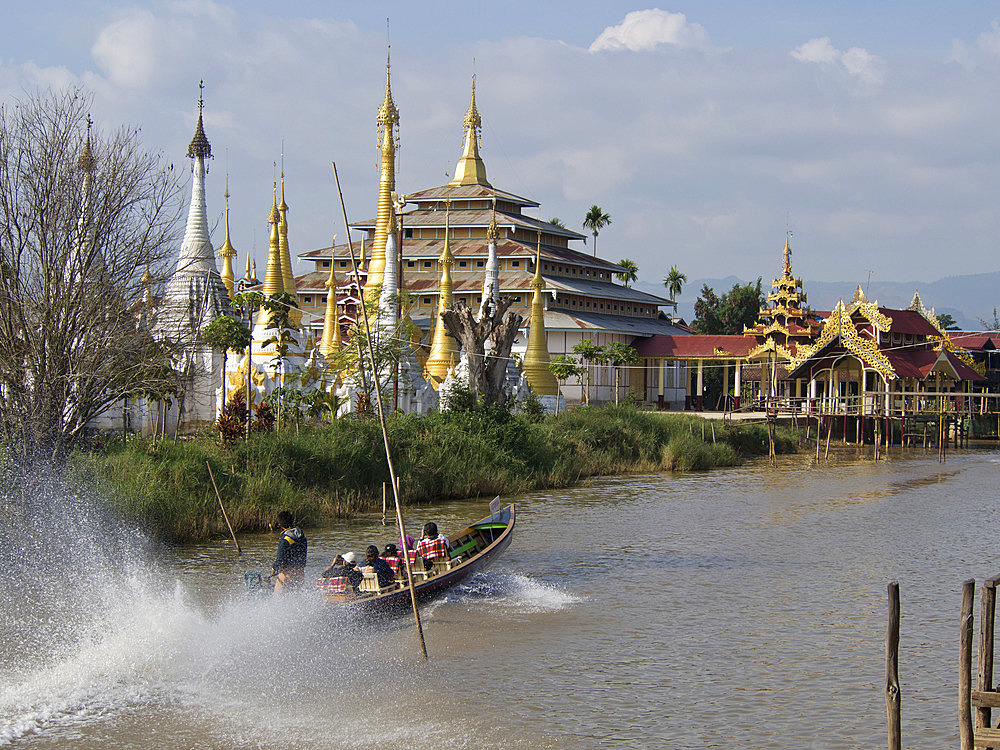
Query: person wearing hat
(290, 560)
(394, 561)
(345, 566)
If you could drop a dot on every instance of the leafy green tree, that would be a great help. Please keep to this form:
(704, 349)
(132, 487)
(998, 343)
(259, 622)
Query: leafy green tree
(674, 283)
(991, 325)
(595, 221)
(619, 355)
(630, 272)
(947, 322)
(226, 334)
(589, 353)
(564, 367)
(730, 313)
(279, 307)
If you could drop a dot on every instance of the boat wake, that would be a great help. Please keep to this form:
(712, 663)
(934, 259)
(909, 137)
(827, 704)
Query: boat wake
(512, 592)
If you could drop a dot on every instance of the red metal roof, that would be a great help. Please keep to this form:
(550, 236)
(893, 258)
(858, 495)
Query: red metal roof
(919, 363)
(975, 341)
(909, 321)
(695, 346)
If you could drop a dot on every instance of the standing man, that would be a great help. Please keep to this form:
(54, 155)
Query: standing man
(290, 562)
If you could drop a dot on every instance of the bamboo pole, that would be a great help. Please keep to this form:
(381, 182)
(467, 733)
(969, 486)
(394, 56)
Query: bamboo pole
(984, 677)
(382, 424)
(965, 731)
(223, 509)
(829, 431)
(892, 669)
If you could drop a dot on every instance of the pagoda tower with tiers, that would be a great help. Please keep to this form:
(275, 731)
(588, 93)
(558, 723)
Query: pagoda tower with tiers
(784, 326)
(194, 296)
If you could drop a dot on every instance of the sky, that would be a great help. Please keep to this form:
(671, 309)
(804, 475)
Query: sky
(870, 131)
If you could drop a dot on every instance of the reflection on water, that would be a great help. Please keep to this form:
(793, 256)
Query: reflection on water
(742, 607)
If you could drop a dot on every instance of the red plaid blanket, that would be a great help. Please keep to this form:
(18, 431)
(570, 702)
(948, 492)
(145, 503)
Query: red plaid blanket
(431, 549)
(333, 585)
(395, 563)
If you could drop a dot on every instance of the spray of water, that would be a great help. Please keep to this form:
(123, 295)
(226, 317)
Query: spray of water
(102, 644)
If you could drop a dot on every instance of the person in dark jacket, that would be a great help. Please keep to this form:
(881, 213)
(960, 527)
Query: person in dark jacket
(344, 566)
(290, 560)
(379, 566)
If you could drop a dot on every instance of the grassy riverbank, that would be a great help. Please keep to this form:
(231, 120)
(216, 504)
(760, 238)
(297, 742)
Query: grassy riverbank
(337, 470)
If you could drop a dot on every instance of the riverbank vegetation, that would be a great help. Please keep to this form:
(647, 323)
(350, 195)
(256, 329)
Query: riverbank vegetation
(336, 470)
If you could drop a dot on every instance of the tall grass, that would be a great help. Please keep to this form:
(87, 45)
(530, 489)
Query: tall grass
(338, 470)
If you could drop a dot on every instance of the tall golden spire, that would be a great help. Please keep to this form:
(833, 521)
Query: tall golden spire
(287, 277)
(444, 348)
(331, 340)
(787, 257)
(470, 169)
(273, 283)
(536, 355)
(227, 252)
(388, 124)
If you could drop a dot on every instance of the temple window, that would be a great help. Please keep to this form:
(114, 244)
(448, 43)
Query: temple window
(427, 264)
(408, 233)
(326, 264)
(411, 264)
(480, 263)
(307, 300)
(427, 301)
(515, 264)
(322, 300)
(463, 264)
(342, 263)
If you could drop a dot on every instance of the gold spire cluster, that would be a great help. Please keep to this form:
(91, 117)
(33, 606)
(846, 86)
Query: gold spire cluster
(444, 349)
(227, 252)
(387, 128)
(536, 354)
(470, 169)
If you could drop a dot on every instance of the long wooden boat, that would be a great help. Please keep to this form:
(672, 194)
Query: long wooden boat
(472, 549)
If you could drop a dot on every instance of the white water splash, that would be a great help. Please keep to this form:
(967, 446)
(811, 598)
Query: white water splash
(514, 591)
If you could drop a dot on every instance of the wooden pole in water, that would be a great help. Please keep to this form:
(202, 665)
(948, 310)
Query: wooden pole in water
(819, 435)
(223, 508)
(382, 424)
(965, 733)
(984, 677)
(829, 431)
(892, 669)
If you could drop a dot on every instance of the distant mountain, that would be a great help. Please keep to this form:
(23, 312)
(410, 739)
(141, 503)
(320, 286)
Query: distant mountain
(966, 298)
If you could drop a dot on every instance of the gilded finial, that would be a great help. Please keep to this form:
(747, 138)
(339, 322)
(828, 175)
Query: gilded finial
(787, 254)
(283, 206)
(86, 162)
(493, 231)
(470, 169)
(537, 282)
(273, 217)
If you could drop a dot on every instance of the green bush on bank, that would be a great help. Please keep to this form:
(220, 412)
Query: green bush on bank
(337, 470)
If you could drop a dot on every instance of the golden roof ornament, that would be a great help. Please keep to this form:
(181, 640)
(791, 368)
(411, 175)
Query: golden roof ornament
(273, 283)
(331, 340)
(787, 256)
(387, 123)
(199, 146)
(471, 170)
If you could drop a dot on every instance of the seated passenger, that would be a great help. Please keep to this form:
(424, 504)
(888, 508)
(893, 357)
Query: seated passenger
(394, 561)
(345, 566)
(433, 545)
(379, 566)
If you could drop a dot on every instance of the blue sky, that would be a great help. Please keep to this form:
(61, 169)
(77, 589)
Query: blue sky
(703, 128)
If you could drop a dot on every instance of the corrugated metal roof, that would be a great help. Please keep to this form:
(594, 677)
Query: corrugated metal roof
(692, 346)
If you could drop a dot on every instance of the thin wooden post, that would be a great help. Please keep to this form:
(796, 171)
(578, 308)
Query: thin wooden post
(829, 431)
(965, 732)
(223, 509)
(713, 433)
(892, 669)
(984, 677)
(819, 435)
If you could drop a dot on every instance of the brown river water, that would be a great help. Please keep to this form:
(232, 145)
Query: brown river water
(743, 607)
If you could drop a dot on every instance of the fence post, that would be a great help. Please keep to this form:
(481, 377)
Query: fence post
(892, 669)
(965, 667)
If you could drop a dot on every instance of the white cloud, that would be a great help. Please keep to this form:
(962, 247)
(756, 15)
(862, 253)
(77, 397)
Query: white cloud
(857, 61)
(646, 29)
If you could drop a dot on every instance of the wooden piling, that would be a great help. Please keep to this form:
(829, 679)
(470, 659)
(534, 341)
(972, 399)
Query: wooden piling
(984, 677)
(892, 669)
(965, 730)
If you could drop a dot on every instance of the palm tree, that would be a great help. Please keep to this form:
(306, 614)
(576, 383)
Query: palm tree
(674, 282)
(556, 221)
(631, 272)
(595, 221)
